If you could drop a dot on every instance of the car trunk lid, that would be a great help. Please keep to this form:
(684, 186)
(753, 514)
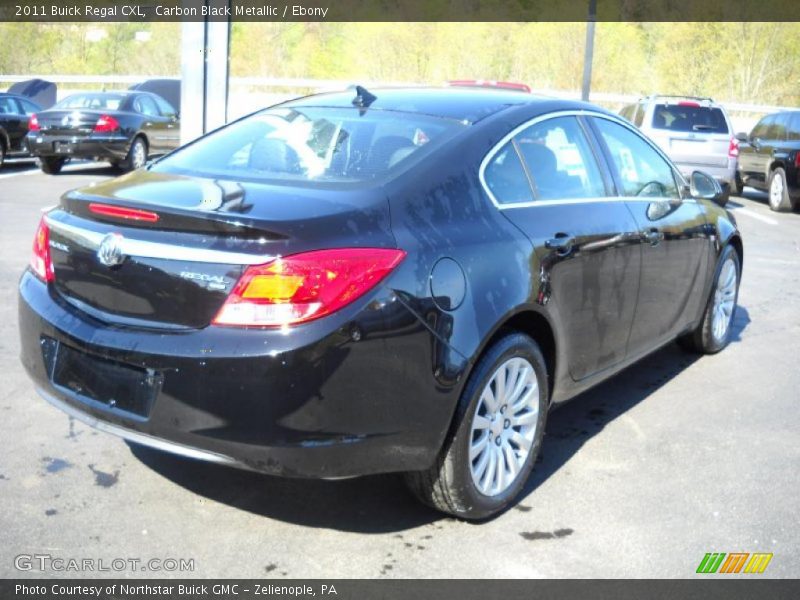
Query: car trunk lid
(114, 260)
(68, 122)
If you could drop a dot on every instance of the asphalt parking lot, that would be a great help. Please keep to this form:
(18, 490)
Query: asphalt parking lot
(675, 457)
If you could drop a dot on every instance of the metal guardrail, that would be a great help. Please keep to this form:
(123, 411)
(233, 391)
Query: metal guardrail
(333, 84)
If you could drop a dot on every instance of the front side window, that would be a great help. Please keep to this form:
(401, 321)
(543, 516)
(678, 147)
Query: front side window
(642, 170)
(305, 143)
(761, 130)
(7, 106)
(559, 160)
(28, 107)
(779, 127)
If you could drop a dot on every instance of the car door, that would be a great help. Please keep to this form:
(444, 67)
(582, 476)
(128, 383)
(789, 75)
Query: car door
(172, 134)
(15, 123)
(672, 234)
(755, 155)
(154, 125)
(548, 180)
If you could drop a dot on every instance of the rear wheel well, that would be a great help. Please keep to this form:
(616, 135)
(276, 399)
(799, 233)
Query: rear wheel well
(538, 328)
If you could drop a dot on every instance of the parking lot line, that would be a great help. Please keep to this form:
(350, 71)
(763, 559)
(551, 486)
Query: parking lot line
(754, 215)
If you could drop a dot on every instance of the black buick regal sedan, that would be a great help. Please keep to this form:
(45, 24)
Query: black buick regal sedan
(123, 128)
(395, 280)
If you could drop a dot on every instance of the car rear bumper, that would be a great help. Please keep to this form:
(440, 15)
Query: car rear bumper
(103, 147)
(353, 394)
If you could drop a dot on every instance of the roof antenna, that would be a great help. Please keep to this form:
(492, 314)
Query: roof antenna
(363, 98)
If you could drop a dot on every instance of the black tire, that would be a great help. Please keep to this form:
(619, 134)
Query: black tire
(2, 153)
(50, 165)
(448, 485)
(779, 202)
(723, 199)
(130, 162)
(737, 185)
(702, 340)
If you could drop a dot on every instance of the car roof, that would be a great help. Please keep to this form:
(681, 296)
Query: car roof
(462, 104)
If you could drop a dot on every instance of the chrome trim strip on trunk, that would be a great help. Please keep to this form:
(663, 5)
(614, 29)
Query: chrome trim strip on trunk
(144, 249)
(135, 436)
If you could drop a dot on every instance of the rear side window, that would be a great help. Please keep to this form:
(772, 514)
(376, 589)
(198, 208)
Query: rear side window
(506, 178)
(146, 106)
(28, 107)
(559, 160)
(643, 171)
(304, 144)
(689, 118)
(165, 107)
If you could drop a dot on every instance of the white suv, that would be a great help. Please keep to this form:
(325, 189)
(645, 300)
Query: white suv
(694, 132)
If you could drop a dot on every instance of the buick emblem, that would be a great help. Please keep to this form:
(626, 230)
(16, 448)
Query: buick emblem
(110, 251)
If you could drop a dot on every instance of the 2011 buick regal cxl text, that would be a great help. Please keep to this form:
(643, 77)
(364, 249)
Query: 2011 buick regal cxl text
(395, 280)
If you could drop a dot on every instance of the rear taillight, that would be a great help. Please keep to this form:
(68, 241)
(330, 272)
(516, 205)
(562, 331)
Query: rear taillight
(303, 287)
(733, 148)
(106, 124)
(688, 103)
(33, 123)
(797, 160)
(41, 263)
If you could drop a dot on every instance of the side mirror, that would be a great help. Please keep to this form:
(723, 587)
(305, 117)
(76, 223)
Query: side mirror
(705, 187)
(742, 137)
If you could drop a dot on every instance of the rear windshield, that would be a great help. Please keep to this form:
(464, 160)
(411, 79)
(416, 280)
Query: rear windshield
(297, 144)
(679, 117)
(99, 101)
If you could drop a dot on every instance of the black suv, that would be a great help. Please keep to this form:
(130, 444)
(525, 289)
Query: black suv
(769, 159)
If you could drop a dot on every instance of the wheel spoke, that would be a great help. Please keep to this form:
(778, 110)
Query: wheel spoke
(480, 422)
(488, 477)
(526, 418)
(499, 387)
(525, 399)
(478, 447)
(511, 460)
(489, 399)
(479, 469)
(521, 441)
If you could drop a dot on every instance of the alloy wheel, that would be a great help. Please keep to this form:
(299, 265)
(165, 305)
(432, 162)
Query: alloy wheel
(724, 300)
(776, 189)
(504, 426)
(138, 158)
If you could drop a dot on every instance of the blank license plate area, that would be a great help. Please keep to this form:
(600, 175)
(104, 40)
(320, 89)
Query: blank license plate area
(62, 147)
(117, 385)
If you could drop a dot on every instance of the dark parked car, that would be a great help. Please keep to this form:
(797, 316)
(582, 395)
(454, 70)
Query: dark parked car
(14, 114)
(769, 159)
(340, 286)
(123, 128)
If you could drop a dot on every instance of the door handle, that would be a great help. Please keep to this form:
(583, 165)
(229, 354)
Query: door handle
(562, 243)
(653, 236)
